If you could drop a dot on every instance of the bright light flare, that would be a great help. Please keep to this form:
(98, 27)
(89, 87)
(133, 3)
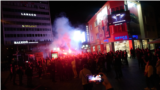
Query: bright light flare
(70, 51)
(65, 53)
(54, 48)
(58, 49)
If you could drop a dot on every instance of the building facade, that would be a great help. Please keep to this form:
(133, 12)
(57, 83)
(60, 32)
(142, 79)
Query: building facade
(120, 25)
(26, 24)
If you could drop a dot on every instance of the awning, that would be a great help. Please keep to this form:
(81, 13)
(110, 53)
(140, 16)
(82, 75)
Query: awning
(154, 41)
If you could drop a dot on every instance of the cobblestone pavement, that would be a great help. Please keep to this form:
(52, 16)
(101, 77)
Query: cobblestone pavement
(133, 79)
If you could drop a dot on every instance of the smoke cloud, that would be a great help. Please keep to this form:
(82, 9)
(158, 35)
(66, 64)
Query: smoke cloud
(66, 35)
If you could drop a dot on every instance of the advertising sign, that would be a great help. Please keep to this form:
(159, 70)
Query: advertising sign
(125, 37)
(119, 18)
(134, 22)
(39, 56)
(103, 30)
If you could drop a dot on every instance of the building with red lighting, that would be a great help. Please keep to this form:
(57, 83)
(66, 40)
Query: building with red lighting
(121, 25)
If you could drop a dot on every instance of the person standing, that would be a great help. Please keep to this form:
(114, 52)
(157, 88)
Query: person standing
(40, 71)
(74, 68)
(125, 57)
(14, 74)
(83, 76)
(11, 72)
(53, 71)
(149, 74)
(20, 74)
(158, 69)
(118, 66)
(29, 74)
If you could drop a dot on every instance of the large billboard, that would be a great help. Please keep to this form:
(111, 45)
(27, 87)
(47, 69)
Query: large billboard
(119, 18)
(134, 22)
(103, 30)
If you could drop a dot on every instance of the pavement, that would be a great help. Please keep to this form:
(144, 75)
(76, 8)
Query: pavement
(133, 79)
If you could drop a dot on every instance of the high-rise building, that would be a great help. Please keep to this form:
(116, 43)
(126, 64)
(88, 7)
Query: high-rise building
(26, 25)
(26, 22)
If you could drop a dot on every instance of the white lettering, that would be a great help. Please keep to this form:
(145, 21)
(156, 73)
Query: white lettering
(28, 14)
(119, 21)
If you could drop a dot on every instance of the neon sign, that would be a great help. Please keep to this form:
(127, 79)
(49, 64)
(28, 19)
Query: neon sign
(106, 40)
(121, 37)
(135, 36)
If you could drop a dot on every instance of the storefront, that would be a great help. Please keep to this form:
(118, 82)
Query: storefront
(137, 44)
(123, 45)
(152, 46)
(108, 47)
(145, 44)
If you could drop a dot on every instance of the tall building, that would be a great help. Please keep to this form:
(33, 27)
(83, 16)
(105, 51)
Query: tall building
(26, 23)
(121, 25)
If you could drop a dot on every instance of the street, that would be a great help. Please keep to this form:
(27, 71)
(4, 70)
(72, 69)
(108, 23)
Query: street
(133, 79)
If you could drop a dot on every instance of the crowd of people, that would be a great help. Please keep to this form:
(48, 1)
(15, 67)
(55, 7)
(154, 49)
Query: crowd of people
(150, 62)
(70, 66)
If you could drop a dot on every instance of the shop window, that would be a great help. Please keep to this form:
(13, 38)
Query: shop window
(137, 44)
(152, 46)
(145, 45)
(122, 45)
(94, 48)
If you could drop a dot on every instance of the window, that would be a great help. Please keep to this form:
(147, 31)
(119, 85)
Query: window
(95, 23)
(90, 27)
(91, 38)
(42, 7)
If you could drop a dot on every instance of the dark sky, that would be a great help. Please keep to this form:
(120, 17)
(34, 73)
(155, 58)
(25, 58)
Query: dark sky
(78, 12)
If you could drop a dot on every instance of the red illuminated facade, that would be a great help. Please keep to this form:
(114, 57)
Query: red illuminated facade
(118, 25)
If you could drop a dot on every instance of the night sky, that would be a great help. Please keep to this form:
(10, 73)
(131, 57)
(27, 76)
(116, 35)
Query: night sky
(78, 12)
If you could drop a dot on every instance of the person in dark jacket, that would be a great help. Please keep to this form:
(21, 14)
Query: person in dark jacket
(29, 74)
(117, 65)
(14, 74)
(20, 74)
(125, 57)
(11, 72)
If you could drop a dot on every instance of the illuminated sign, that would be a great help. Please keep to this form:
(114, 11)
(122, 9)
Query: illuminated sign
(119, 18)
(106, 40)
(28, 14)
(121, 37)
(23, 42)
(29, 25)
(135, 36)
